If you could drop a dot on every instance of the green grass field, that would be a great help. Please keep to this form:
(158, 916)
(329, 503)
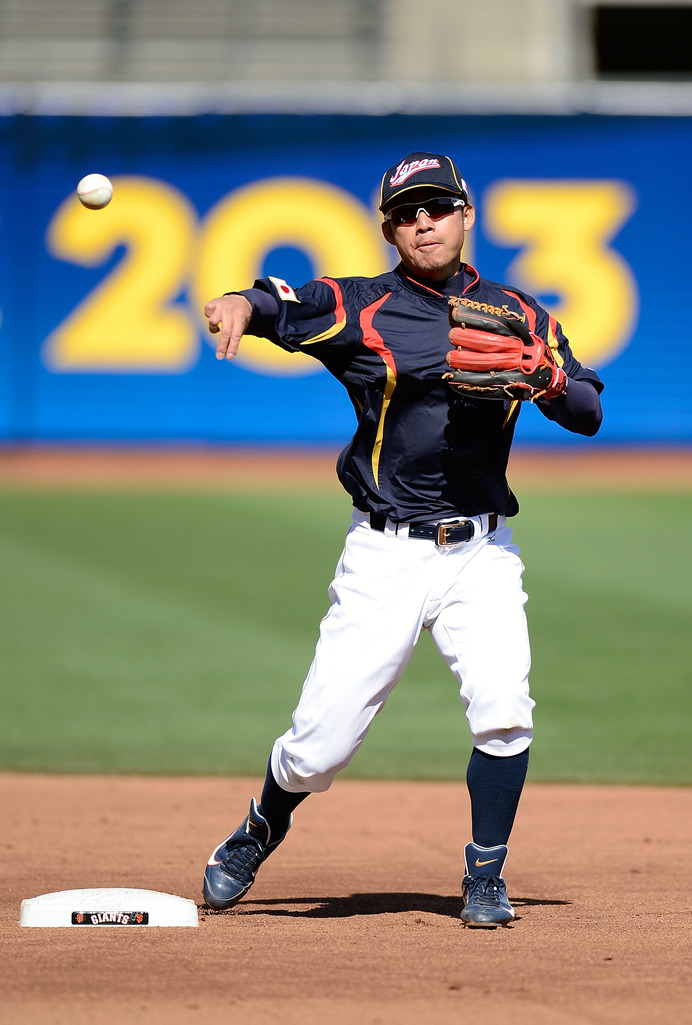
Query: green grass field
(170, 633)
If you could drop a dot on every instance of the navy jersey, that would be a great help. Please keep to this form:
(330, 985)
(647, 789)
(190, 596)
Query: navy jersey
(421, 451)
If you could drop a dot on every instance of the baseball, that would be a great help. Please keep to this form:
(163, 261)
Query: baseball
(95, 191)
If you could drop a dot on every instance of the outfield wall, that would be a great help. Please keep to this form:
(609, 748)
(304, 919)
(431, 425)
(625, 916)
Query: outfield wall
(102, 337)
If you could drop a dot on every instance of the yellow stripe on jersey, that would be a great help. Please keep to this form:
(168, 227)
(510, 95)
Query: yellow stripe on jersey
(552, 342)
(377, 448)
(339, 313)
(513, 408)
(329, 333)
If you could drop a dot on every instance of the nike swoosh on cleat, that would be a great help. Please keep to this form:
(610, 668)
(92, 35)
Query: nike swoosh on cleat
(212, 857)
(479, 864)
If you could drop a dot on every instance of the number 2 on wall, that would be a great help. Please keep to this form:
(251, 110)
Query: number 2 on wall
(129, 321)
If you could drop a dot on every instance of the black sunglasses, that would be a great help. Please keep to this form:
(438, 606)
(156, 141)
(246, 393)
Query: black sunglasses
(408, 213)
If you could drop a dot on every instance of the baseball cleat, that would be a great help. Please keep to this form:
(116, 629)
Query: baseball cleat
(233, 865)
(483, 889)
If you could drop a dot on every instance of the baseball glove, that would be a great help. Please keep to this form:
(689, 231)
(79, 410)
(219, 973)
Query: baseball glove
(499, 358)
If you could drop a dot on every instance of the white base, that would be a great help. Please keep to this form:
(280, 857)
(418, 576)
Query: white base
(104, 907)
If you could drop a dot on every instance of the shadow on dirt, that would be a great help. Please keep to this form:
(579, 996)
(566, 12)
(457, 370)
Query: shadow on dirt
(357, 904)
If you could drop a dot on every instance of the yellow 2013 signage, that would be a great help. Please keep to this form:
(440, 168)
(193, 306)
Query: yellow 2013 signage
(146, 313)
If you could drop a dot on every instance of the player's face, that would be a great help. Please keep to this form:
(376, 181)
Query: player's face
(430, 242)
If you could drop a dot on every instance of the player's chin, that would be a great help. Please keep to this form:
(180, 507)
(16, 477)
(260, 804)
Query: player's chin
(429, 259)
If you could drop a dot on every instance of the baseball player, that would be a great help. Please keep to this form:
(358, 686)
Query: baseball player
(429, 545)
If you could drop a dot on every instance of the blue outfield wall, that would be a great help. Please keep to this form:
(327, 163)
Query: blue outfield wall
(102, 337)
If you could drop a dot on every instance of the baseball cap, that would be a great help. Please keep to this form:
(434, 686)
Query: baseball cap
(421, 170)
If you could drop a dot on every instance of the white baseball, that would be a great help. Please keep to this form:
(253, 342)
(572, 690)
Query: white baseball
(95, 191)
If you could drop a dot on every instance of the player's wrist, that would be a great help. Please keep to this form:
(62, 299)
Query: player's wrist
(558, 386)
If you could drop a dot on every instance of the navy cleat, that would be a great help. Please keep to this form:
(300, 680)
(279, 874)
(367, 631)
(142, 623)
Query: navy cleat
(483, 889)
(233, 865)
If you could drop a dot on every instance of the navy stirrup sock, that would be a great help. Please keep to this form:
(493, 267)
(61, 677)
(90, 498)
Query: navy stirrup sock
(277, 805)
(495, 786)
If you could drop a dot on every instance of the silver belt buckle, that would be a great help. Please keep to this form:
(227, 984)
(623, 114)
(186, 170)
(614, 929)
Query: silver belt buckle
(444, 528)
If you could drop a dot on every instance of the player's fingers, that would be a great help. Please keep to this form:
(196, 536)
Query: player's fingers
(238, 323)
(213, 311)
(224, 332)
(228, 317)
(231, 330)
(227, 345)
(216, 313)
(231, 348)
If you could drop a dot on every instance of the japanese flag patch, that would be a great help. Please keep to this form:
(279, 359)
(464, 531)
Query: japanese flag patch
(284, 290)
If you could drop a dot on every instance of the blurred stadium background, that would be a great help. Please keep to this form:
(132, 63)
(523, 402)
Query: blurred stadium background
(247, 138)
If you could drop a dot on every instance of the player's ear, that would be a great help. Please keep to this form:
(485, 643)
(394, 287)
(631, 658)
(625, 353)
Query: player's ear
(469, 216)
(387, 232)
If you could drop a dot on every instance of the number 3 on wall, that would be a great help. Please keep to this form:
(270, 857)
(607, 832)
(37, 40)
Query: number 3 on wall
(565, 229)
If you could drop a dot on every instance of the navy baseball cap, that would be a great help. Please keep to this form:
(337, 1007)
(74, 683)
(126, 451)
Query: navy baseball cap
(421, 170)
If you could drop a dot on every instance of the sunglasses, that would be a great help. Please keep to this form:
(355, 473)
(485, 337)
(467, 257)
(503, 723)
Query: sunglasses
(408, 213)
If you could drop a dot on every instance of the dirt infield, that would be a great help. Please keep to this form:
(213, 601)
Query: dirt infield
(641, 469)
(354, 920)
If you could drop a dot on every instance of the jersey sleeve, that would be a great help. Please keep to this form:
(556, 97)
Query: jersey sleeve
(550, 329)
(306, 316)
(578, 410)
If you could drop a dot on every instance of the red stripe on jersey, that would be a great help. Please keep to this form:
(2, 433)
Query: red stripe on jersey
(339, 311)
(420, 283)
(530, 314)
(474, 281)
(472, 270)
(372, 338)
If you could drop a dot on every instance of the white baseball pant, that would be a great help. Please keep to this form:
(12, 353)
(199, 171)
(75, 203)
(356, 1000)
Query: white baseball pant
(387, 588)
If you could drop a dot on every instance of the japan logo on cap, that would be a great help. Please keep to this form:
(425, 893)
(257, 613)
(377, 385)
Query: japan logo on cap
(405, 170)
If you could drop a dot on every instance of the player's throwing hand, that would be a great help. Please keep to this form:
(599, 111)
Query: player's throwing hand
(228, 316)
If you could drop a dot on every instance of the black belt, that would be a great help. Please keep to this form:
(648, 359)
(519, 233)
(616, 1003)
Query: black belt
(441, 533)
